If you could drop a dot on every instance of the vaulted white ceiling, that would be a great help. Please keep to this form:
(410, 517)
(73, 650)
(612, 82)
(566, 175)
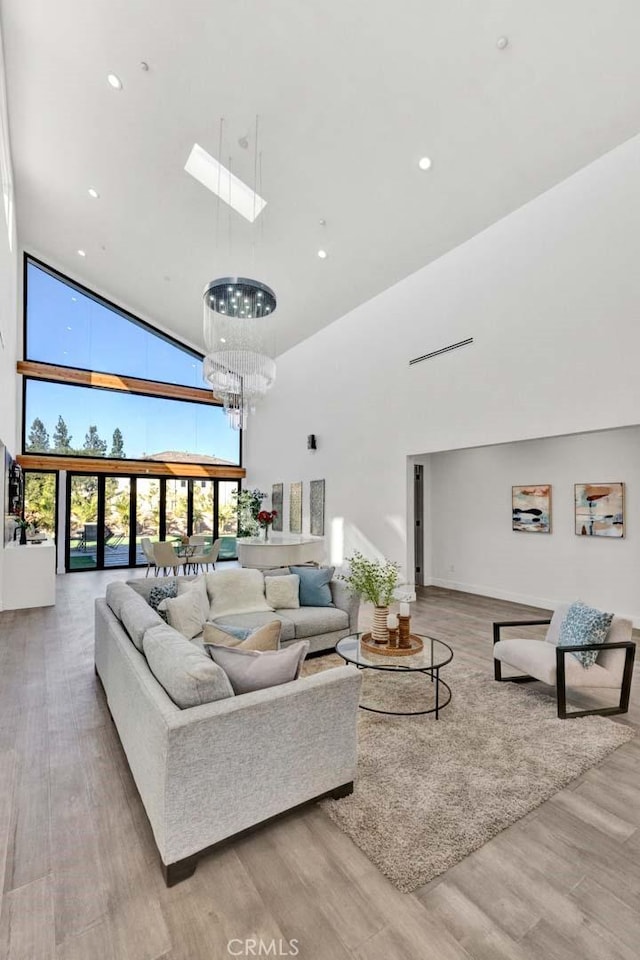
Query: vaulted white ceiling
(350, 96)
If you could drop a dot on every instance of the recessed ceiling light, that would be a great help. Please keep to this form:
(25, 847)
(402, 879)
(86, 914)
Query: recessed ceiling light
(322, 254)
(424, 163)
(502, 42)
(114, 81)
(81, 253)
(93, 193)
(212, 175)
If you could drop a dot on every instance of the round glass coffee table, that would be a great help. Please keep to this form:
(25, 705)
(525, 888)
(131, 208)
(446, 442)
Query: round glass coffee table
(434, 655)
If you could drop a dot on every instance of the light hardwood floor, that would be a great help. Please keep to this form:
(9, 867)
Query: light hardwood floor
(81, 879)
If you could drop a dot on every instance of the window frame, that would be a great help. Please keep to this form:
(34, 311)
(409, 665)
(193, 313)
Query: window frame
(102, 301)
(171, 387)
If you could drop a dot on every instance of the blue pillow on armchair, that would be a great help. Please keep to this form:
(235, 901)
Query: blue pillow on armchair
(314, 586)
(583, 625)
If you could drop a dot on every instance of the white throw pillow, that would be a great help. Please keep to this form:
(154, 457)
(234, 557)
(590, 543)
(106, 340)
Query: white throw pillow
(236, 591)
(283, 593)
(184, 613)
(199, 585)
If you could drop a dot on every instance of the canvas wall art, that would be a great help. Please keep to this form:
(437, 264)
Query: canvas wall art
(277, 503)
(531, 508)
(295, 508)
(599, 509)
(316, 502)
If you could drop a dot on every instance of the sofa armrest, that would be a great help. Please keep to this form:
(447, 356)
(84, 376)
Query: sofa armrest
(237, 762)
(497, 625)
(343, 599)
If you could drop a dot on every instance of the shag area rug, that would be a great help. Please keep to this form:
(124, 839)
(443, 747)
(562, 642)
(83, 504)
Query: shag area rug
(429, 793)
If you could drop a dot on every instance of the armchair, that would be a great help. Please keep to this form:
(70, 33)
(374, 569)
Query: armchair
(544, 660)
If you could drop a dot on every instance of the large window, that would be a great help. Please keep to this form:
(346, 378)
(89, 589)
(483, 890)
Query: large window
(69, 326)
(112, 386)
(64, 419)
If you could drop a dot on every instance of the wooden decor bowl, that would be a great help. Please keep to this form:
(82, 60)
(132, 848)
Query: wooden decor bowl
(384, 650)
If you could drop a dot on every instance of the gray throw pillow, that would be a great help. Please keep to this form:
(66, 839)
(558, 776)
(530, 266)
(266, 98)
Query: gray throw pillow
(187, 674)
(163, 592)
(256, 670)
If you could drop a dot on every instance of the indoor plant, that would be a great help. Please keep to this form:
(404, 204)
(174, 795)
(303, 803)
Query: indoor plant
(22, 525)
(375, 581)
(248, 506)
(265, 518)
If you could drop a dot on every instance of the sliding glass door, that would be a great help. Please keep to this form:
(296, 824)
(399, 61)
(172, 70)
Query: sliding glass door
(108, 516)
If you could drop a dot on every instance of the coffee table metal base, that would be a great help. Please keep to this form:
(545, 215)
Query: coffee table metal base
(435, 678)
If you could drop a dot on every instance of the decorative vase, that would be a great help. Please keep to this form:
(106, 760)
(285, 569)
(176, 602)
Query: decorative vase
(380, 631)
(23, 537)
(266, 533)
(404, 632)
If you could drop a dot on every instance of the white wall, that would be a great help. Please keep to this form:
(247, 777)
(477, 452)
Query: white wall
(551, 294)
(8, 305)
(473, 547)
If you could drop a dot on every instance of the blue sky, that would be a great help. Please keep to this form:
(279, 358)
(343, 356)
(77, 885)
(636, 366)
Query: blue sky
(67, 328)
(64, 327)
(148, 424)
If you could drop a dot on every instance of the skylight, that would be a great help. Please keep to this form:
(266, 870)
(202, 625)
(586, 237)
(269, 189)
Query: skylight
(211, 174)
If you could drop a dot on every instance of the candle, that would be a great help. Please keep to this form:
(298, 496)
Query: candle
(405, 610)
(392, 622)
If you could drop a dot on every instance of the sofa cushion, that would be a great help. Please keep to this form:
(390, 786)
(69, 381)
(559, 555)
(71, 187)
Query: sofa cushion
(184, 613)
(252, 620)
(187, 674)
(254, 670)
(137, 617)
(266, 637)
(198, 590)
(309, 621)
(117, 593)
(584, 625)
(283, 593)
(538, 659)
(236, 591)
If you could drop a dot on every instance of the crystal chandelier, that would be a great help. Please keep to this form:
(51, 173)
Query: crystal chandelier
(239, 364)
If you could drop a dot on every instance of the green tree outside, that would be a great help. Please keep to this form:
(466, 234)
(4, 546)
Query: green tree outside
(93, 444)
(117, 444)
(61, 438)
(38, 439)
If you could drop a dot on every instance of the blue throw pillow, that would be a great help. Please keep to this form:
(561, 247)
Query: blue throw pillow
(162, 592)
(314, 586)
(583, 625)
(240, 633)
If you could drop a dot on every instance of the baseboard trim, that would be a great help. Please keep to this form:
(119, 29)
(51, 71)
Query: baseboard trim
(527, 599)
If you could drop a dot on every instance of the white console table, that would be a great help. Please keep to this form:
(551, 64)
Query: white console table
(278, 551)
(29, 575)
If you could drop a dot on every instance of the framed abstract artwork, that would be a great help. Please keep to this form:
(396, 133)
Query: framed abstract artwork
(295, 508)
(277, 503)
(531, 508)
(316, 503)
(599, 509)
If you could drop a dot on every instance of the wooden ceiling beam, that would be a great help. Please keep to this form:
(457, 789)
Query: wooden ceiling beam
(111, 381)
(151, 468)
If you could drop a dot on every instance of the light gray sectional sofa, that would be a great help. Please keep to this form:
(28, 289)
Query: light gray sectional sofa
(212, 771)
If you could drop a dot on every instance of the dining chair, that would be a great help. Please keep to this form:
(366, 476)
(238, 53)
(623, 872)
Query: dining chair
(147, 549)
(166, 557)
(207, 557)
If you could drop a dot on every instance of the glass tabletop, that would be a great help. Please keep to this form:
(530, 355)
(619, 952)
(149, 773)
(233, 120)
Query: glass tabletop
(435, 653)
